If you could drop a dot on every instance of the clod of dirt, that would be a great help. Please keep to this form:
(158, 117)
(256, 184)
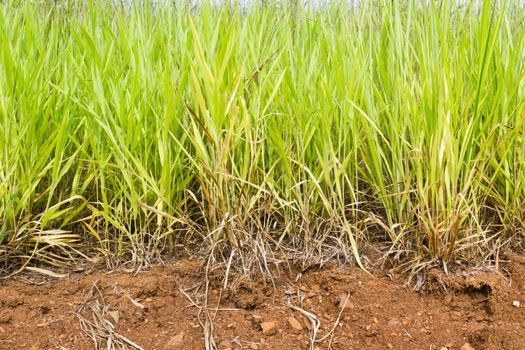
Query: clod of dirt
(175, 342)
(269, 327)
(467, 346)
(225, 345)
(315, 288)
(45, 310)
(295, 325)
(247, 296)
(5, 318)
(147, 292)
(12, 302)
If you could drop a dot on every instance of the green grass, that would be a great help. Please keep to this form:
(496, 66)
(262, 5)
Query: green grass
(134, 131)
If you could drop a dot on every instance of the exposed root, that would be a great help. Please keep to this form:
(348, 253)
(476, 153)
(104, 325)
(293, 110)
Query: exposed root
(93, 316)
(314, 321)
(205, 321)
(316, 324)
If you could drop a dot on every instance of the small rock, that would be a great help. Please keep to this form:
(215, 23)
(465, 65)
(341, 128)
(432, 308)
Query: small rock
(393, 322)
(448, 299)
(370, 331)
(344, 301)
(307, 324)
(295, 325)
(269, 327)
(115, 315)
(176, 341)
(390, 346)
(467, 346)
(444, 348)
(516, 303)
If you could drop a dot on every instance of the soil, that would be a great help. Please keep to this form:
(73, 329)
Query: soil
(166, 308)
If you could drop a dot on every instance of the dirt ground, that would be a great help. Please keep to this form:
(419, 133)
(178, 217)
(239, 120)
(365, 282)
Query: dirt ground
(165, 308)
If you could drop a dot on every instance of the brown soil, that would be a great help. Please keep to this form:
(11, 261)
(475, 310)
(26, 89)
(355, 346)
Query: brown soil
(479, 310)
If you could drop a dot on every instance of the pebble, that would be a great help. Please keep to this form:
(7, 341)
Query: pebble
(393, 322)
(467, 346)
(269, 327)
(307, 324)
(115, 315)
(516, 303)
(344, 301)
(295, 325)
(370, 331)
(175, 342)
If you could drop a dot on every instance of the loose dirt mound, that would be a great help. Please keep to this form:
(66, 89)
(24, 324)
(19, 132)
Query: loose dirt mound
(166, 308)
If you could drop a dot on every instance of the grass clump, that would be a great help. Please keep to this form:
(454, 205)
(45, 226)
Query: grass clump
(135, 129)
